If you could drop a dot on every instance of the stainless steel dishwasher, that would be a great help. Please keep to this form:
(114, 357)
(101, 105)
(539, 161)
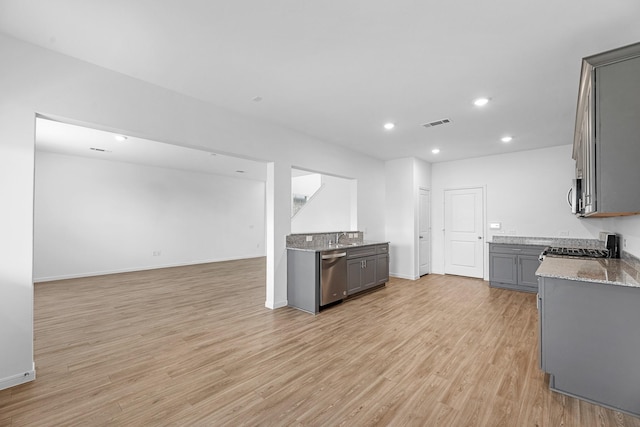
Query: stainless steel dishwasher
(333, 276)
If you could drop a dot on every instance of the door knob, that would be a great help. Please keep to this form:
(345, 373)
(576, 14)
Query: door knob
(479, 237)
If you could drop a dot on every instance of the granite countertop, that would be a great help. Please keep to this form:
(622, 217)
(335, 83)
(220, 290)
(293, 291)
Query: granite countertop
(610, 271)
(564, 242)
(325, 247)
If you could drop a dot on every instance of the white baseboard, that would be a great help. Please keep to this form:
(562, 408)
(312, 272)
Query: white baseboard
(403, 276)
(275, 305)
(17, 379)
(132, 269)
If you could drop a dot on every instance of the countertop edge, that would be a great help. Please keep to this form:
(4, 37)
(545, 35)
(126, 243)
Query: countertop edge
(332, 248)
(592, 271)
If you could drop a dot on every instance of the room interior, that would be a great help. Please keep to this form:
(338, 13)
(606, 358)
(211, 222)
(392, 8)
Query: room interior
(285, 87)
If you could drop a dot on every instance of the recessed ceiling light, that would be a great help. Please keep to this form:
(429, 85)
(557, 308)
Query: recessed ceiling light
(435, 150)
(481, 102)
(506, 138)
(389, 126)
(239, 171)
(257, 98)
(120, 138)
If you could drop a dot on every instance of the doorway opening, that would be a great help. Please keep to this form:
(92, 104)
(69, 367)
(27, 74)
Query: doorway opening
(322, 202)
(108, 203)
(424, 232)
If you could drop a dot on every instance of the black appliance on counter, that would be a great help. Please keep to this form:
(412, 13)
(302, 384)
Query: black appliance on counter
(612, 242)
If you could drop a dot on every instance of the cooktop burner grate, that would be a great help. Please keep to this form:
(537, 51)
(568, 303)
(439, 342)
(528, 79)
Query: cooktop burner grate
(578, 252)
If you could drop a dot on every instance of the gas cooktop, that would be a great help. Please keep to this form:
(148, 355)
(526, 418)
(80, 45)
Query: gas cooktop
(576, 252)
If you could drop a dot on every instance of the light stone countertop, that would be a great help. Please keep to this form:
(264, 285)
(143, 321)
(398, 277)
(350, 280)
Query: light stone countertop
(325, 247)
(564, 242)
(610, 271)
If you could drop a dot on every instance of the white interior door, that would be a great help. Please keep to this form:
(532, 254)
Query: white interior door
(463, 232)
(424, 238)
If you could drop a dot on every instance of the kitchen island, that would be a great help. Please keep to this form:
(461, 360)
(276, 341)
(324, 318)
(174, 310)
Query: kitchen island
(366, 267)
(589, 337)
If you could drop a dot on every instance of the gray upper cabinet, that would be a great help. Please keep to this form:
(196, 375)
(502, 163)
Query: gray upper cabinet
(606, 144)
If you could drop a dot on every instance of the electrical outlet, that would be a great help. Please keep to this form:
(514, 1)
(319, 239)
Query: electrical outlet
(624, 243)
(309, 238)
(157, 253)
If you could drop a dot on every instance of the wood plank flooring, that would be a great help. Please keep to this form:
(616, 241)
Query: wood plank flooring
(196, 346)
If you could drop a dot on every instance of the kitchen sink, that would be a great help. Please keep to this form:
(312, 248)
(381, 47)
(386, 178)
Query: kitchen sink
(344, 245)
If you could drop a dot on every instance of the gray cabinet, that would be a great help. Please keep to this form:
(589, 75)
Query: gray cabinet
(382, 264)
(589, 341)
(367, 267)
(514, 266)
(354, 281)
(303, 280)
(606, 144)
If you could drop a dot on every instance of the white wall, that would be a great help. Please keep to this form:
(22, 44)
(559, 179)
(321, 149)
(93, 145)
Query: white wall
(629, 228)
(96, 217)
(405, 177)
(525, 191)
(306, 185)
(35, 80)
(328, 210)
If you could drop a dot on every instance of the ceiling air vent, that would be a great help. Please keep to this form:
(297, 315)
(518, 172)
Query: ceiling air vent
(437, 123)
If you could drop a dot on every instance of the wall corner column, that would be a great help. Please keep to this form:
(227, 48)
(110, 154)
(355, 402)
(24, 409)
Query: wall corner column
(278, 226)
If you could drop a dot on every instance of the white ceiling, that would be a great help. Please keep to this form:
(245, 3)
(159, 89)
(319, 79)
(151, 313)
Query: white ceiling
(63, 138)
(338, 69)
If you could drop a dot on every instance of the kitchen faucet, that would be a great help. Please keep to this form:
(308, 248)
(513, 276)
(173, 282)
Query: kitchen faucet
(339, 235)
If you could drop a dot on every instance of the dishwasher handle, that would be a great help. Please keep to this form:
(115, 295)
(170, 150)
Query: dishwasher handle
(331, 256)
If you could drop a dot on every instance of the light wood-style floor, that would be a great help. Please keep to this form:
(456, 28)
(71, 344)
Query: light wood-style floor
(196, 346)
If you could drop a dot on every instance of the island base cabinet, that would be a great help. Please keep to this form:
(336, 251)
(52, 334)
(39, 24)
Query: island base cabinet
(382, 269)
(361, 274)
(303, 281)
(590, 341)
(354, 282)
(367, 267)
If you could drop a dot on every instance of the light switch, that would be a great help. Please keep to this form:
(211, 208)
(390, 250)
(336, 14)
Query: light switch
(309, 238)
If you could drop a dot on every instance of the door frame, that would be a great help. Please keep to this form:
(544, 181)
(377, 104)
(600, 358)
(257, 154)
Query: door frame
(430, 240)
(483, 187)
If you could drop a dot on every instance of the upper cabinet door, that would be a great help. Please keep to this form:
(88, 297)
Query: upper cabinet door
(607, 133)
